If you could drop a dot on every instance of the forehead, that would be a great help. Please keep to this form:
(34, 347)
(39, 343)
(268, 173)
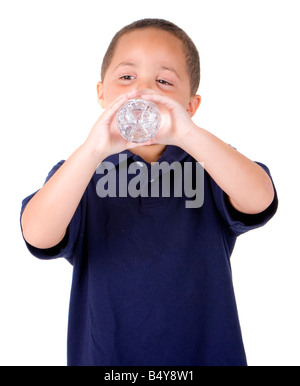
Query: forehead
(150, 42)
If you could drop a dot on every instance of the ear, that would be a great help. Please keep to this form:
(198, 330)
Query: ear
(100, 95)
(194, 104)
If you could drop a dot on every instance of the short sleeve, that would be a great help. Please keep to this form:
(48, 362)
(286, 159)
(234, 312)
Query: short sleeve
(66, 247)
(239, 222)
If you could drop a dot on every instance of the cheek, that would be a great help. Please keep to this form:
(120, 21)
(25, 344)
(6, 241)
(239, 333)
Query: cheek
(184, 100)
(182, 96)
(110, 95)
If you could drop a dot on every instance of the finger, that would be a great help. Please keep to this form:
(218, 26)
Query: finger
(113, 108)
(117, 103)
(161, 99)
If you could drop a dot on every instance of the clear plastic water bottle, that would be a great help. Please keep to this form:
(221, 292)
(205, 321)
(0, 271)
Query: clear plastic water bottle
(138, 120)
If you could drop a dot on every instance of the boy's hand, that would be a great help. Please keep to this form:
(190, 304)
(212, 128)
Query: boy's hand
(105, 138)
(176, 123)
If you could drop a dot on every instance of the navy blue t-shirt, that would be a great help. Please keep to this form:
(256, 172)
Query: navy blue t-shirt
(152, 281)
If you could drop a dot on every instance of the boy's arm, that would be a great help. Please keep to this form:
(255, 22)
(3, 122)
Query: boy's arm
(248, 186)
(48, 214)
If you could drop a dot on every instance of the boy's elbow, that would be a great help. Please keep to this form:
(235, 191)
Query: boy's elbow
(30, 234)
(269, 193)
(258, 200)
(34, 234)
(264, 197)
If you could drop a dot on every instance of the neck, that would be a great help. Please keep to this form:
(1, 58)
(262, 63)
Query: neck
(149, 153)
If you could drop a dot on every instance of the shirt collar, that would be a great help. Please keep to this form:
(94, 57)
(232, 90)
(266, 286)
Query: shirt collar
(171, 154)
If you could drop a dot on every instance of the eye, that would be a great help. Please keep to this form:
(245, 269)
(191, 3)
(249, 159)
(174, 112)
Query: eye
(164, 82)
(127, 77)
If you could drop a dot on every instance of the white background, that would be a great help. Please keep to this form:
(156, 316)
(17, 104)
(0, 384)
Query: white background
(51, 54)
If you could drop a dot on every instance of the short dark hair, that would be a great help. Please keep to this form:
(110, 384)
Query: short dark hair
(192, 54)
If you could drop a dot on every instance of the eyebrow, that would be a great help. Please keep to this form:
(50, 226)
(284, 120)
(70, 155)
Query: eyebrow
(171, 69)
(130, 64)
(123, 64)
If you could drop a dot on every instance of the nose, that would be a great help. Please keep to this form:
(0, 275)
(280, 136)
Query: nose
(144, 84)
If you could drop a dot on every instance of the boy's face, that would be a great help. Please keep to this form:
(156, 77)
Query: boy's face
(147, 59)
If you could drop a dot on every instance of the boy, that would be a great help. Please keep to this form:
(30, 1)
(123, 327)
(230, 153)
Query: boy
(151, 278)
